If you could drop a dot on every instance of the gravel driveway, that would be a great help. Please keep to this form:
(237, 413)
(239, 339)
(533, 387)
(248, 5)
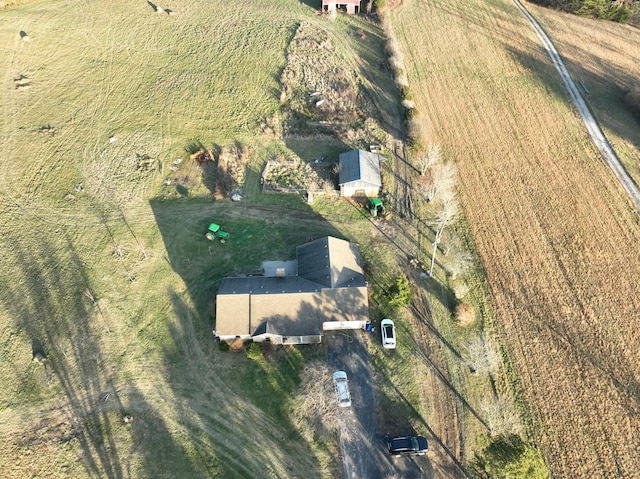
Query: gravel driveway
(363, 448)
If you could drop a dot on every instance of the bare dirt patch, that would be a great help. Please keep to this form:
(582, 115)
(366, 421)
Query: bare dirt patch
(230, 175)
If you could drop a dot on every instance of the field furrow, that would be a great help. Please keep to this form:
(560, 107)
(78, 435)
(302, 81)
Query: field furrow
(555, 231)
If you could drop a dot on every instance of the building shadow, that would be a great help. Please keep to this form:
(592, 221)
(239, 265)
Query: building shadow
(246, 398)
(210, 396)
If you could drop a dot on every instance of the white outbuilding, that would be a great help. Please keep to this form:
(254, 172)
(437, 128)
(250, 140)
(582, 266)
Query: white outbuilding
(360, 174)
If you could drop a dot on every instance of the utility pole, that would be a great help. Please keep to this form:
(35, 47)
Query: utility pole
(436, 241)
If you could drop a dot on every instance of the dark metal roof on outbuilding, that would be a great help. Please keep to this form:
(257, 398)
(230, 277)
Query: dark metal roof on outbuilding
(360, 165)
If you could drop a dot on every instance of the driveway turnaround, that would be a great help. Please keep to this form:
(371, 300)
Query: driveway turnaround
(364, 449)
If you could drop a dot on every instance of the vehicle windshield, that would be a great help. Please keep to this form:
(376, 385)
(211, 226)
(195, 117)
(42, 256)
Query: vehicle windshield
(414, 444)
(388, 331)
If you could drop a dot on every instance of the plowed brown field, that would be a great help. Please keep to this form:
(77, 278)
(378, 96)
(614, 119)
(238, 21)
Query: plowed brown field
(554, 229)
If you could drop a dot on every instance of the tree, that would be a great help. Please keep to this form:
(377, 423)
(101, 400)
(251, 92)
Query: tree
(396, 296)
(501, 415)
(254, 351)
(509, 457)
(438, 178)
(447, 212)
(632, 100)
(482, 357)
(430, 157)
(615, 10)
(313, 404)
(400, 293)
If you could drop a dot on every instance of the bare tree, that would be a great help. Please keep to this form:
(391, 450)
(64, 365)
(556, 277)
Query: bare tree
(462, 263)
(437, 182)
(314, 405)
(501, 416)
(482, 357)
(425, 186)
(438, 179)
(430, 157)
(448, 210)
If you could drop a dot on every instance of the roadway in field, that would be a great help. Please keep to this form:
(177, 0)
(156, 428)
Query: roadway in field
(589, 120)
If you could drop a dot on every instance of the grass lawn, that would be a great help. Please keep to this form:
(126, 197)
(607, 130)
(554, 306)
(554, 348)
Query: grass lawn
(106, 270)
(107, 273)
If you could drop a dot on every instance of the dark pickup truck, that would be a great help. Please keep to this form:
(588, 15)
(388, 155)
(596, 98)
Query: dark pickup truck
(407, 445)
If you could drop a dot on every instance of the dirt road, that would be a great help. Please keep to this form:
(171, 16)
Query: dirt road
(590, 122)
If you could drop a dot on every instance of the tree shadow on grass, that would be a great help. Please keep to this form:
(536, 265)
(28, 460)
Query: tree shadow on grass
(49, 301)
(606, 89)
(257, 233)
(153, 440)
(369, 42)
(427, 321)
(440, 291)
(224, 394)
(315, 4)
(605, 92)
(182, 190)
(400, 414)
(457, 394)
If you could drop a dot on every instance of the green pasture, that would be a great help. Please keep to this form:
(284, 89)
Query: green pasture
(106, 269)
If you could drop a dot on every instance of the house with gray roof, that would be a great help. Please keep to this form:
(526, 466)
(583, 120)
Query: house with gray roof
(360, 174)
(294, 302)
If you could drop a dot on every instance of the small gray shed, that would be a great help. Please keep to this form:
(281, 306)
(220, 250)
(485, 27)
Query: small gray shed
(360, 174)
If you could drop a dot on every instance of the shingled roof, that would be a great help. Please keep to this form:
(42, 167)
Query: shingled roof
(331, 262)
(329, 286)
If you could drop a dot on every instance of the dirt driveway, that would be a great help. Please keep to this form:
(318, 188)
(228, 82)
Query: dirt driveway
(589, 120)
(363, 448)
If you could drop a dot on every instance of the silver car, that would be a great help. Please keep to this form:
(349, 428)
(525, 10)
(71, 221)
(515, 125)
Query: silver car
(341, 384)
